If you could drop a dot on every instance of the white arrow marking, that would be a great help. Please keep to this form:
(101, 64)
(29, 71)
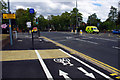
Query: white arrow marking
(86, 73)
(61, 73)
(99, 72)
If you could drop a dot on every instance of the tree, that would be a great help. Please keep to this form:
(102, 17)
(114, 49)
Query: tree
(23, 16)
(93, 20)
(111, 21)
(112, 16)
(73, 17)
(3, 6)
(42, 23)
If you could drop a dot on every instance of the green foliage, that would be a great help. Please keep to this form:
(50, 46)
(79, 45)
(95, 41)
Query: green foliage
(23, 16)
(93, 20)
(111, 21)
(112, 16)
(42, 22)
(59, 22)
(3, 6)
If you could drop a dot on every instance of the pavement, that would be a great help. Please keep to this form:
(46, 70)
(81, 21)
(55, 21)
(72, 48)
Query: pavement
(47, 60)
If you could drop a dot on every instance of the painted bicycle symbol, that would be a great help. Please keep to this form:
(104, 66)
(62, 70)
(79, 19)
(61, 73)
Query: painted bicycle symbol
(64, 61)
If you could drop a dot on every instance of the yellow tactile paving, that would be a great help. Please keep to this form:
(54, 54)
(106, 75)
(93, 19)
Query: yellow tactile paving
(52, 53)
(12, 55)
(18, 55)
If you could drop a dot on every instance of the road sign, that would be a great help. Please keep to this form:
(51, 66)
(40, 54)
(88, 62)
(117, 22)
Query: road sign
(28, 24)
(3, 26)
(9, 16)
(35, 29)
(98, 24)
(31, 11)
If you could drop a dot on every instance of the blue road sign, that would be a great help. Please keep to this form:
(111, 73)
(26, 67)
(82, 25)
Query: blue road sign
(98, 24)
(31, 11)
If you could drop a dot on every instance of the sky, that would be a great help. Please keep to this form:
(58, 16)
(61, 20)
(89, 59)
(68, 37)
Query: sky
(57, 7)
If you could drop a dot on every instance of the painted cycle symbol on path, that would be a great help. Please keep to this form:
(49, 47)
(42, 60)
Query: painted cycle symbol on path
(64, 61)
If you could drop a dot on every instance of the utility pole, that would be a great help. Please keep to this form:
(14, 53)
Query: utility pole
(76, 18)
(10, 29)
(119, 9)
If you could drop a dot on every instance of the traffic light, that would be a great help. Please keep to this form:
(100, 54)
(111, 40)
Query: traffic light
(36, 19)
(78, 19)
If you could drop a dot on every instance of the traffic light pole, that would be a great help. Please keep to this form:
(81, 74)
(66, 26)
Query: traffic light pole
(10, 29)
(32, 31)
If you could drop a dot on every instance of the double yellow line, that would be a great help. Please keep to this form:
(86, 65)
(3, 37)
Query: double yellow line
(112, 70)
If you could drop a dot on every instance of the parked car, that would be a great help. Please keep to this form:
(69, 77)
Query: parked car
(116, 31)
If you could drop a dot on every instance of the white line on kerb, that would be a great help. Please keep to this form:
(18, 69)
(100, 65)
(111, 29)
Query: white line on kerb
(102, 74)
(49, 76)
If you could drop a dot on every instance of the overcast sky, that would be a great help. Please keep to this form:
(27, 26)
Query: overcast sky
(56, 7)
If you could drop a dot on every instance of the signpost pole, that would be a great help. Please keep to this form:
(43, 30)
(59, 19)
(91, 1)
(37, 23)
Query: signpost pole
(10, 29)
(32, 30)
(32, 12)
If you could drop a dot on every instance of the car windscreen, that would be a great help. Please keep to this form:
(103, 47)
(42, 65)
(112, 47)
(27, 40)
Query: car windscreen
(94, 28)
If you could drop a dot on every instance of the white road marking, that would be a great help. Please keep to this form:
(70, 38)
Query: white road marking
(86, 41)
(92, 68)
(49, 76)
(61, 73)
(26, 36)
(61, 40)
(69, 37)
(19, 40)
(86, 73)
(116, 47)
(106, 39)
(64, 61)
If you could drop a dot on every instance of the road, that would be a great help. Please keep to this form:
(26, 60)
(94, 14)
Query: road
(103, 47)
(50, 61)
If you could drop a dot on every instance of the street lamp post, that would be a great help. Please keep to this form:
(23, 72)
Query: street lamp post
(90, 19)
(10, 29)
(76, 18)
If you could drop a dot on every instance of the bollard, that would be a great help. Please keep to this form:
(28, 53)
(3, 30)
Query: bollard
(80, 32)
(75, 31)
(15, 34)
(72, 31)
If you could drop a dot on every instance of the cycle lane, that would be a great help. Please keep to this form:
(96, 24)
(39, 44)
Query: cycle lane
(71, 69)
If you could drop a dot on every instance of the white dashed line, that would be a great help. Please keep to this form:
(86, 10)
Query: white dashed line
(116, 47)
(19, 40)
(86, 41)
